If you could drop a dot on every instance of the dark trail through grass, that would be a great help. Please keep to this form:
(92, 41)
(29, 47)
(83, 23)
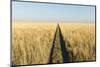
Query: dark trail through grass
(58, 51)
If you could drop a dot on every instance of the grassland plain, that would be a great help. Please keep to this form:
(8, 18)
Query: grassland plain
(80, 40)
(32, 42)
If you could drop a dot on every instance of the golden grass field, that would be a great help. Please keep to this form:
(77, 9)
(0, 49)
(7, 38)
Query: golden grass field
(80, 40)
(32, 42)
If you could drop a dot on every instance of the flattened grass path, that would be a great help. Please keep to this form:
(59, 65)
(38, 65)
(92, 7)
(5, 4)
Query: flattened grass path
(58, 53)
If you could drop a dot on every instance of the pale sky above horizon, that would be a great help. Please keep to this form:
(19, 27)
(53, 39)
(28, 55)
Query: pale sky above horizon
(52, 12)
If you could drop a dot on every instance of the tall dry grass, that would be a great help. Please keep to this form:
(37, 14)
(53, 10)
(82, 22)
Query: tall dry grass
(80, 40)
(32, 42)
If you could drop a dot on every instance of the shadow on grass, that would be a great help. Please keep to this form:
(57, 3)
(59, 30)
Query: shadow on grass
(52, 49)
(65, 53)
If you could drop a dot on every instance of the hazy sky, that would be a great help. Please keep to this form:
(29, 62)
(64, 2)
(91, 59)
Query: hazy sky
(51, 12)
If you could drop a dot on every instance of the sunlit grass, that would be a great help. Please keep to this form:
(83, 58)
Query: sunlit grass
(80, 40)
(32, 42)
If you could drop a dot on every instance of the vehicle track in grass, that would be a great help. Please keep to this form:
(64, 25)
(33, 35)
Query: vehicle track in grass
(58, 53)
